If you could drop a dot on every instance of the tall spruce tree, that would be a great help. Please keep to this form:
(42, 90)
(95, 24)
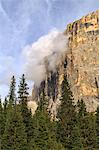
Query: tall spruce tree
(9, 101)
(87, 126)
(23, 90)
(5, 104)
(12, 95)
(67, 120)
(14, 137)
(26, 113)
(44, 134)
(7, 136)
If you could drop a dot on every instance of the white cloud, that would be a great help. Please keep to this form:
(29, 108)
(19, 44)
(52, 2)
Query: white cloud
(46, 51)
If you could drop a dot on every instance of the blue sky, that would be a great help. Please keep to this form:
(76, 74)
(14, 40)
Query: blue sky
(22, 22)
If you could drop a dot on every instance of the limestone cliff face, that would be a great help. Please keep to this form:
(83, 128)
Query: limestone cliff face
(83, 59)
(80, 63)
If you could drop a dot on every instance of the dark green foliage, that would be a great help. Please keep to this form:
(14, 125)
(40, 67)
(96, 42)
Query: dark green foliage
(91, 134)
(23, 90)
(44, 135)
(81, 108)
(3, 113)
(87, 127)
(5, 104)
(97, 128)
(26, 113)
(75, 129)
(12, 95)
(6, 142)
(14, 137)
(29, 128)
(76, 138)
(67, 119)
(41, 133)
(27, 120)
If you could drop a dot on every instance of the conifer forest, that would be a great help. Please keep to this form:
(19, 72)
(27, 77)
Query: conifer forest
(74, 129)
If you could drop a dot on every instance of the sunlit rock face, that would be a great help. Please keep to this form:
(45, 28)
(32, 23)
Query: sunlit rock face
(80, 63)
(83, 59)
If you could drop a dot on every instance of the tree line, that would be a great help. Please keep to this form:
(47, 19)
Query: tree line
(75, 128)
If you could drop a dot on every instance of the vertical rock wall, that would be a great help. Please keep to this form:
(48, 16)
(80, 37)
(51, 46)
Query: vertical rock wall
(80, 63)
(83, 65)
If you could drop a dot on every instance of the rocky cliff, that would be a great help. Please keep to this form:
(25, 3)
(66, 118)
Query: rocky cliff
(83, 59)
(80, 63)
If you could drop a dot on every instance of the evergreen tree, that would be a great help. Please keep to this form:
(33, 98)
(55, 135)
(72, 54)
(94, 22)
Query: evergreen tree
(91, 134)
(44, 136)
(81, 108)
(87, 127)
(3, 112)
(23, 90)
(67, 119)
(8, 125)
(26, 113)
(5, 104)
(12, 95)
(76, 138)
(97, 128)
(14, 137)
